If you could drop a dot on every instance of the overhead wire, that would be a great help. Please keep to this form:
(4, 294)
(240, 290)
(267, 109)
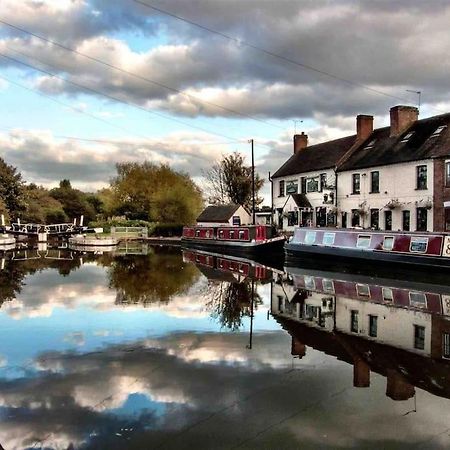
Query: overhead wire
(140, 77)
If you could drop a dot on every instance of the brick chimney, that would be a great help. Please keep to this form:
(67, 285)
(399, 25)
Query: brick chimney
(300, 142)
(361, 373)
(364, 127)
(298, 348)
(402, 117)
(397, 388)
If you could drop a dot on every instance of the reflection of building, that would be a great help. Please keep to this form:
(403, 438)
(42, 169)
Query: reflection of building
(401, 333)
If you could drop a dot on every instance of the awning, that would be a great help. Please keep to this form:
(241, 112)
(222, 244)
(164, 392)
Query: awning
(301, 200)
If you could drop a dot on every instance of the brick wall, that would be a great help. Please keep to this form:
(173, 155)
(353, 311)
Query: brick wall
(441, 194)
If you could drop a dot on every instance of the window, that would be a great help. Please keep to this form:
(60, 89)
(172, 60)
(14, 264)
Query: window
(419, 337)
(418, 299)
(446, 345)
(421, 177)
(328, 238)
(303, 184)
(418, 244)
(323, 181)
(388, 220)
(354, 321)
(328, 286)
(374, 219)
(310, 237)
(363, 241)
(236, 221)
(388, 294)
(388, 243)
(422, 216)
(197, 233)
(312, 185)
(438, 130)
(370, 144)
(363, 290)
(241, 234)
(344, 219)
(356, 183)
(232, 234)
(281, 189)
(406, 220)
(310, 283)
(447, 173)
(292, 187)
(375, 182)
(220, 234)
(373, 326)
(407, 137)
(292, 218)
(355, 218)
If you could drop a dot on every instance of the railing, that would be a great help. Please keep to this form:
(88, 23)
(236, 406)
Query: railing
(129, 232)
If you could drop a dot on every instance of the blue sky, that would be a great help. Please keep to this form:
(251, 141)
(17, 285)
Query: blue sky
(372, 50)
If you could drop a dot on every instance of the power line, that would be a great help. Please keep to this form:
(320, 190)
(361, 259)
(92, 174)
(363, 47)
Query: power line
(241, 42)
(110, 97)
(140, 77)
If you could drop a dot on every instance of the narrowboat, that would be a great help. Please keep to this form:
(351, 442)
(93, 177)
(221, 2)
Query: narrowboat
(247, 240)
(389, 248)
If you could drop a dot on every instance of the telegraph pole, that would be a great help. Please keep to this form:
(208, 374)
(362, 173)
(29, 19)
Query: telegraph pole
(253, 182)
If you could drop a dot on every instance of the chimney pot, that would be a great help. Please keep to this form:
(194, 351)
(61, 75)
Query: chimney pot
(364, 127)
(300, 142)
(402, 117)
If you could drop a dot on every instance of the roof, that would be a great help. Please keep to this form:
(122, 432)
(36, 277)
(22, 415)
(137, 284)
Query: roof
(301, 200)
(218, 213)
(391, 150)
(316, 157)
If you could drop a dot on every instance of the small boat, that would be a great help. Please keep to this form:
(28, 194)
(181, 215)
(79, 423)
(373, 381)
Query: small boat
(390, 248)
(248, 240)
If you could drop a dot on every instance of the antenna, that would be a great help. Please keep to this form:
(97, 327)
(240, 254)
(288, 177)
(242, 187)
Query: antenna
(419, 93)
(295, 124)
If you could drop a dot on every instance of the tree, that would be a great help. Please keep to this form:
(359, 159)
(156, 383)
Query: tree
(230, 181)
(156, 193)
(11, 189)
(41, 207)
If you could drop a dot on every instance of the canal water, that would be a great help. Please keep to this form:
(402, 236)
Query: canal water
(156, 348)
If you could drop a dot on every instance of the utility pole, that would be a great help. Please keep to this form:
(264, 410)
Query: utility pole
(419, 94)
(253, 182)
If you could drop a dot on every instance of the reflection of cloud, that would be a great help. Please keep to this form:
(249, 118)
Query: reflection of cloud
(3, 361)
(75, 338)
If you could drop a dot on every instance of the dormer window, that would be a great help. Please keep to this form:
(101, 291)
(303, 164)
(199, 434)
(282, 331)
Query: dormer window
(407, 137)
(438, 130)
(370, 144)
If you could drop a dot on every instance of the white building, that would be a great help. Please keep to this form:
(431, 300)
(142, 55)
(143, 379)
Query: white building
(220, 215)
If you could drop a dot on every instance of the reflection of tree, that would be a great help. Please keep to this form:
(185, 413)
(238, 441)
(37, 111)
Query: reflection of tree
(152, 278)
(230, 302)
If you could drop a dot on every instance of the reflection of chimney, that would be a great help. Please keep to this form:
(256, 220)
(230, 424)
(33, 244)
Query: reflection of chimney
(361, 373)
(364, 127)
(298, 348)
(402, 117)
(300, 142)
(397, 387)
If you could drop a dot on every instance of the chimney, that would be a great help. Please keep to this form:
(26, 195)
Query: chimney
(364, 127)
(298, 348)
(397, 388)
(361, 373)
(300, 142)
(402, 117)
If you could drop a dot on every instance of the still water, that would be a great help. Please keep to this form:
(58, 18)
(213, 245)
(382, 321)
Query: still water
(155, 348)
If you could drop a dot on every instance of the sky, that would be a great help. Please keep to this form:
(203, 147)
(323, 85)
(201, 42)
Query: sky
(88, 83)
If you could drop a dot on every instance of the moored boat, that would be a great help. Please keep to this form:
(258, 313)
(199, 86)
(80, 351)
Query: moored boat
(411, 249)
(248, 240)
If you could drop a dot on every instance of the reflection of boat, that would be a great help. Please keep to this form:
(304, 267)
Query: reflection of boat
(415, 250)
(7, 242)
(226, 268)
(398, 331)
(248, 240)
(85, 241)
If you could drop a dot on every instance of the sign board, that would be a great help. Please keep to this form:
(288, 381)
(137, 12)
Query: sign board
(446, 248)
(446, 305)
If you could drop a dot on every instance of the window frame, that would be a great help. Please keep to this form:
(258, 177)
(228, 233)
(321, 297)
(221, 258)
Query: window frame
(421, 185)
(447, 173)
(281, 188)
(372, 190)
(356, 183)
(419, 341)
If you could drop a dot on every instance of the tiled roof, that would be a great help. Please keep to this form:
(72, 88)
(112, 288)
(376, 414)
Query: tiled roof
(391, 150)
(217, 213)
(316, 157)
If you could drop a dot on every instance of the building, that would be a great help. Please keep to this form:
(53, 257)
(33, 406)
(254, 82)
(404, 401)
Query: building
(391, 178)
(220, 215)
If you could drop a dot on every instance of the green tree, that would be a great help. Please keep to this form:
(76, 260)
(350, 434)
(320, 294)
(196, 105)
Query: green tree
(230, 180)
(11, 189)
(156, 193)
(41, 207)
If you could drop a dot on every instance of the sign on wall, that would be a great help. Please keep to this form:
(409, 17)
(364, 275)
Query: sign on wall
(446, 249)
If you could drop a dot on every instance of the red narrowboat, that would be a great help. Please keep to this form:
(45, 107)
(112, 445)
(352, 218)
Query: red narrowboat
(411, 249)
(248, 240)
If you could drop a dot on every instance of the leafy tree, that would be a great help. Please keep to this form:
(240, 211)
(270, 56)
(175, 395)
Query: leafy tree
(41, 207)
(154, 192)
(11, 189)
(231, 181)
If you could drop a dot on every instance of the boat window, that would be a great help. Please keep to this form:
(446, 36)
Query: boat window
(220, 234)
(208, 235)
(328, 285)
(363, 290)
(388, 243)
(232, 234)
(328, 238)
(241, 268)
(388, 295)
(310, 283)
(418, 299)
(418, 244)
(446, 345)
(197, 233)
(241, 234)
(363, 241)
(310, 237)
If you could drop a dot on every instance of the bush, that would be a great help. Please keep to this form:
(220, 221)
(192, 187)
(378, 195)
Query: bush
(106, 225)
(166, 230)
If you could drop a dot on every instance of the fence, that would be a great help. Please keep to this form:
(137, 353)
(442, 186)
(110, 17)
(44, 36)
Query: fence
(130, 232)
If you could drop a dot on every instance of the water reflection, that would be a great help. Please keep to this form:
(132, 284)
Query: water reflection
(164, 349)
